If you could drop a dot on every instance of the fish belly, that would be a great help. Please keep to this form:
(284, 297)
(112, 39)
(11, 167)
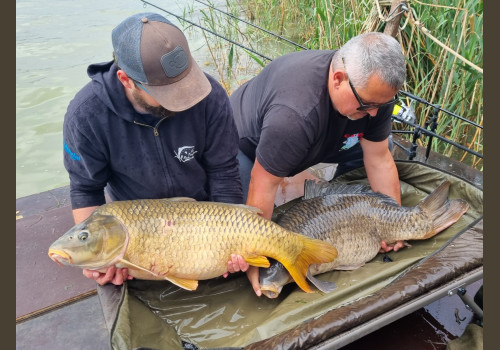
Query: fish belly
(354, 250)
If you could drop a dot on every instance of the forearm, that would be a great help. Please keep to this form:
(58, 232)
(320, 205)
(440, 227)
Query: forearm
(262, 189)
(384, 179)
(225, 186)
(381, 169)
(262, 198)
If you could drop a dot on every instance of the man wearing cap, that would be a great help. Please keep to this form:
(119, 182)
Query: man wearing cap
(315, 106)
(149, 124)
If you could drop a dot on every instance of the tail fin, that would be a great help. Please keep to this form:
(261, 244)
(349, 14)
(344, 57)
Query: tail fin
(444, 212)
(314, 252)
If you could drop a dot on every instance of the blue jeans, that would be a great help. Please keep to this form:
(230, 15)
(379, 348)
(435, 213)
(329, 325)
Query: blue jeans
(350, 159)
(246, 165)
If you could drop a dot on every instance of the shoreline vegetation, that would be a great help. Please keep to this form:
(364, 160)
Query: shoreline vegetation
(442, 42)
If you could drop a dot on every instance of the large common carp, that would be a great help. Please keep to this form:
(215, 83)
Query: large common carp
(356, 222)
(183, 241)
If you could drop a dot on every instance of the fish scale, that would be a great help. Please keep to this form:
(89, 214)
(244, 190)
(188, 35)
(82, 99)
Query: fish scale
(356, 224)
(183, 241)
(386, 220)
(360, 237)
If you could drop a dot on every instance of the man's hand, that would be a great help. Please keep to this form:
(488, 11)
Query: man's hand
(237, 263)
(113, 275)
(253, 277)
(385, 248)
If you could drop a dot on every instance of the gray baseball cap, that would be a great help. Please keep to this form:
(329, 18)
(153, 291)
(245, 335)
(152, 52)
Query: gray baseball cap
(155, 53)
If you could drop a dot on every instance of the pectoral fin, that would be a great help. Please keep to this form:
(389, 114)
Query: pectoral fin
(180, 282)
(183, 283)
(324, 286)
(129, 264)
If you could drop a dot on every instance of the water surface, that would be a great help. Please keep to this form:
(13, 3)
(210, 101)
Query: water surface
(55, 42)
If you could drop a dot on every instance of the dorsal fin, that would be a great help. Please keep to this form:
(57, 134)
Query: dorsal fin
(247, 207)
(313, 189)
(180, 199)
(435, 200)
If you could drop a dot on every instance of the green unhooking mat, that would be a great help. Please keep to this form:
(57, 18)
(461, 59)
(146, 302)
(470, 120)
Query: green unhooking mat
(226, 313)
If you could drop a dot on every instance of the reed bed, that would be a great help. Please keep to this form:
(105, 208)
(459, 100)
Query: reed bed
(442, 42)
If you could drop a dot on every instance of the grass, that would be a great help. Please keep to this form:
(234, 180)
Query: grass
(442, 42)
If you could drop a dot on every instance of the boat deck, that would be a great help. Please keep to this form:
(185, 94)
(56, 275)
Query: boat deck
(53, 304)
(57, 308)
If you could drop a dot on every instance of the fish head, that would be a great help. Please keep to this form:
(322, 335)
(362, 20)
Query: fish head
(273, 278)
(94, 243)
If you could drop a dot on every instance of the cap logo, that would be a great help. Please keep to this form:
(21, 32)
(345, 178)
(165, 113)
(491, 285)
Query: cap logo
(175, 62)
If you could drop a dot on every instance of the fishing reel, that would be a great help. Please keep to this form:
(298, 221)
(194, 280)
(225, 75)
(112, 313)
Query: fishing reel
(404, 112)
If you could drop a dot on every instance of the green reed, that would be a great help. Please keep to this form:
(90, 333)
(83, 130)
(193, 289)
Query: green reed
(433, 72)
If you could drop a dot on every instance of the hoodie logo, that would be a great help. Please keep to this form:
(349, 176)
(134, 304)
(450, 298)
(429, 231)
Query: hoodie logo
(185, 153)
(351, 140)
(72, 154)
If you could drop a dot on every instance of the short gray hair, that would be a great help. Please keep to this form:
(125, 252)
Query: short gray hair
(372, 53)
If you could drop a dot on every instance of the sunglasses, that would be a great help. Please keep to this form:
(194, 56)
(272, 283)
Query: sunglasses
(362, 106)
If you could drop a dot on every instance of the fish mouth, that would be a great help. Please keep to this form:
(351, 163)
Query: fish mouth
(60, 257)
(271, 291)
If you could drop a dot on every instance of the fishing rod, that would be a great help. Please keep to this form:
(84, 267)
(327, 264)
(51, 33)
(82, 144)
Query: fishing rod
(421, 100)
(403, 8)
(414, 97)
(430, 133)
(253, 25)
(207, 30)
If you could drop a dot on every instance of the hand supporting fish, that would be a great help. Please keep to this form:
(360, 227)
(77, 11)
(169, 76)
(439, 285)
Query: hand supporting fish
(355, 222)
(183, 241)
(118, 276)
(112, 275)
(236, 264)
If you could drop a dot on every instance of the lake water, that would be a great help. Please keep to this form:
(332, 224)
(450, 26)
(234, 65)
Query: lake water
(55, 42)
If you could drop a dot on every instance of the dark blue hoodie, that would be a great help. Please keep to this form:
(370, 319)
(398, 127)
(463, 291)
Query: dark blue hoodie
(108, 143)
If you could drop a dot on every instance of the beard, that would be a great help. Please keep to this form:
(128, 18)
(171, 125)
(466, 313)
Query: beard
(159, 111)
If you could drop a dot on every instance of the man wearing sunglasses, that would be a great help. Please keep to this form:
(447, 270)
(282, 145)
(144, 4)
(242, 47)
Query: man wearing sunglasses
(319, 106)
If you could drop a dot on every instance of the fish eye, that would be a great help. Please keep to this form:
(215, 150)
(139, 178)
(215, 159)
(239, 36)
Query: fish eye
(82, 236)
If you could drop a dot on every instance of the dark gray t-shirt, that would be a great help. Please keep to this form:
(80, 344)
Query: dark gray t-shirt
(286, 119)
